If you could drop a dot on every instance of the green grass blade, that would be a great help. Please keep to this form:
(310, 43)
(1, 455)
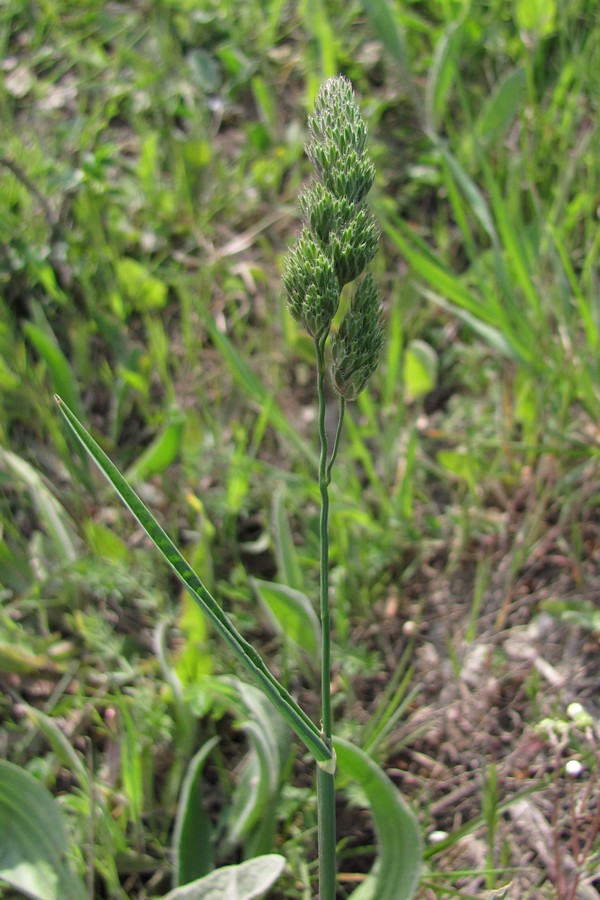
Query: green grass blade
(584, 307)
(247, 655)
(508, 347)
(469, 189)
(49, 510)
(499, 111)
(442, 75)
(513, 242)
(256, 390)
(400, 846)
(288, 563)
(63, 379)
(386, 29)
(446, 283)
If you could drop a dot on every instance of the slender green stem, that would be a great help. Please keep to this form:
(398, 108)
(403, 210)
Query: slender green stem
(326, 723)
(325, 780)
(336, 440)
(326, 834)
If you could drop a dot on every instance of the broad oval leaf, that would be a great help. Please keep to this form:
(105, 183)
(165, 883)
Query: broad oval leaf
(34, 839)
(291, 613)
(397, 871)
(420, 369)
(193, 828)
(63, 379)
(163, 451)
(252, 815)
(249, 880)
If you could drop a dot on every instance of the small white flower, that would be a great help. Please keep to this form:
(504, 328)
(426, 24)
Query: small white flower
(437, 836)
(573, 768)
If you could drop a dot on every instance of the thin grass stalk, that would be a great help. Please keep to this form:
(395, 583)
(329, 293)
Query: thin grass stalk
(338, 240)
(325, 780)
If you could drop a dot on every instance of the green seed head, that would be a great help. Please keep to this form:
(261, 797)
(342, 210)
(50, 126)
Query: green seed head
(339, 238)
(337, 147)
(353, 246)
(356, 346)
(311, 284)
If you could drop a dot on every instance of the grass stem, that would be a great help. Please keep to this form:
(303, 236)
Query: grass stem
(325, 781)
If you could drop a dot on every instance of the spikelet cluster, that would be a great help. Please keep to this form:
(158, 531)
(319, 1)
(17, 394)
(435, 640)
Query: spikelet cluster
(338, 240)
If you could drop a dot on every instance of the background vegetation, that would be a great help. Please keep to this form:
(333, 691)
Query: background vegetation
(151, 156)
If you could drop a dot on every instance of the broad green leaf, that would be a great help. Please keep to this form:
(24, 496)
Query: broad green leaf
(163, 451)
(15, 568)
(139, 286)
(294, 715)
(399, 841)
(247, 881)
(420, 369)
(458, 463)
(577, 612)
(106, 543)
(63, 379)
(194, 660)
(536, 16)
(252, 814)
(193, 828)
(205, 72)
(291, 613)
(33, 839)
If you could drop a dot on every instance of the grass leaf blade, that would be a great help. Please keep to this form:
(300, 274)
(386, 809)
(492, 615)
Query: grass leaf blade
(304, 727)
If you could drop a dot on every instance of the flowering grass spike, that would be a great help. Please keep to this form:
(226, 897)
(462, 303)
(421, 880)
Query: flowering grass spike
(339, 239)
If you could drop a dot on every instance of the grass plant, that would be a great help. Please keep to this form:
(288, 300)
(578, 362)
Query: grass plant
(150, 162)
(338, 240)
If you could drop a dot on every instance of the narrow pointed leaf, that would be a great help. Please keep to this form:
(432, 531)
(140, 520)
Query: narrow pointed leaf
(294, 715)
